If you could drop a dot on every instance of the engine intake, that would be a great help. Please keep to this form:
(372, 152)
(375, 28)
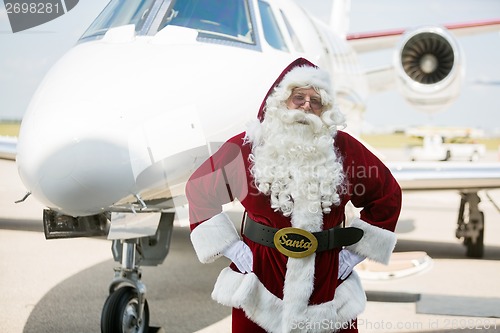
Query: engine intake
(429, 70)
(427, 58)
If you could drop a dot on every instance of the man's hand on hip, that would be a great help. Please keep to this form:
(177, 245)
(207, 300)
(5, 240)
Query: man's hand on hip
(241, 255)
(347, 261)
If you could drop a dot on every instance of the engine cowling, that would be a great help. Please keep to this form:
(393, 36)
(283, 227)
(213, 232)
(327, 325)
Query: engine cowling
(429, 68)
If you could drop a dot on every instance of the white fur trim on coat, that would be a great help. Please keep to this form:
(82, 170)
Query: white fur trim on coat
(377, 244)
(245, 291)
(213, 236)
(299, 278)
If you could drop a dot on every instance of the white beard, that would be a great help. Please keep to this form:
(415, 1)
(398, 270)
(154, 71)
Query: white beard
(294, 160)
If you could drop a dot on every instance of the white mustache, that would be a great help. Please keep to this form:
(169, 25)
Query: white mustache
(298, 116)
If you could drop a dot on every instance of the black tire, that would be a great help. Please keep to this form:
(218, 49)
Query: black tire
(448, 156)
(476, 250)
(474, 157)
(119, 313)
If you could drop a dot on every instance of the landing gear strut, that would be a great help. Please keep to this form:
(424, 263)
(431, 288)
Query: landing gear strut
(470, 224)
(126, 309)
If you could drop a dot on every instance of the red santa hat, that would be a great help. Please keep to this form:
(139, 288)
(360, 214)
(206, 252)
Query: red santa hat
(300, 73)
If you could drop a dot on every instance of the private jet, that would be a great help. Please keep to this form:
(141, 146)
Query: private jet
(153, 87)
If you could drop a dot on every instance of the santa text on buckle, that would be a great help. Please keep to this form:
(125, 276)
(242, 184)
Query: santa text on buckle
(295, 242)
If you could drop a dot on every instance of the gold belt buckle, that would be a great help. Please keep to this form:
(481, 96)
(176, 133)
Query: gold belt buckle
(295, 242)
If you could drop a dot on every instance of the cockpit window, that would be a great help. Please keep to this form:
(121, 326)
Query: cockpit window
(118, 13)
(225, 19)
(293, 35)
(272, 32)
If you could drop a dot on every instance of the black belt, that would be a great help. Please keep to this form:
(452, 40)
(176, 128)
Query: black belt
(326, 240)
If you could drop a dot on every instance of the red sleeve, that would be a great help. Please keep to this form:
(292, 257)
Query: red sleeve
(219, 180)
(371, 185)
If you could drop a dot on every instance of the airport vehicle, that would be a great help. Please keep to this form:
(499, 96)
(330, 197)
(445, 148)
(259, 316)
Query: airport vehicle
(437, 148)
(153, 87)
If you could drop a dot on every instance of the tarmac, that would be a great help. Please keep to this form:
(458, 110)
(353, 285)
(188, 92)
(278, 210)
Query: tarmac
(61, 285)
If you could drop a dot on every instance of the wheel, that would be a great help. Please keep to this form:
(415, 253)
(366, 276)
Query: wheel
(476, 250)
(448, 156)
(474, 157)
(119, 314)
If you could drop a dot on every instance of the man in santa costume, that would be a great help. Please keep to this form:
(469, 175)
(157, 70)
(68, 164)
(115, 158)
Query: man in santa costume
(294, 172)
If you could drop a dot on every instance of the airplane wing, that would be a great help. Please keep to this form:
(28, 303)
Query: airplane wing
(373, 41)
(466, 178)
(8, 146)
(462, 176)
(384, 78)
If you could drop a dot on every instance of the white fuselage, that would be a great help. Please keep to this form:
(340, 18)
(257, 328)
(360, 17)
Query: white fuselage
(128, 117)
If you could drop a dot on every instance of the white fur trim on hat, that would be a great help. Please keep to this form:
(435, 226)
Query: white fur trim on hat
(213, 236)
(377, 244)
(307, 75)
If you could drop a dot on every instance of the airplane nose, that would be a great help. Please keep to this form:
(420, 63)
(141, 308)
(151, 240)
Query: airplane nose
(81, 177)
(80, 164)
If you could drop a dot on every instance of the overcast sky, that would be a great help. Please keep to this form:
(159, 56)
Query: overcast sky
(26, 56)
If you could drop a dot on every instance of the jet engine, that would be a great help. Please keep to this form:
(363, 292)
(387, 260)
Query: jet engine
(429, 70)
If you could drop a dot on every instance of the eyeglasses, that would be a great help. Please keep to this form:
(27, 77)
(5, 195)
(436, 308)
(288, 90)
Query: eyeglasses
(300, 100)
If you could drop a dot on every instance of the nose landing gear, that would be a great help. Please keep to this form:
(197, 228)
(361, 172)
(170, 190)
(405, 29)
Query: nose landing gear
(126, 309)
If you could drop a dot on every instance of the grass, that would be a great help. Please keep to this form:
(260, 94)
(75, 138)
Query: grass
(401, 141)
(490, 143)
(390, 140)
(10, 128)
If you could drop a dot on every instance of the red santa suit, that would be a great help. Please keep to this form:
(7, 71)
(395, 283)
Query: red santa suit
(285, 294)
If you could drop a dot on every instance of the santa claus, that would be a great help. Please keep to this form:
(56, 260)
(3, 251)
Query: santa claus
(294, 172)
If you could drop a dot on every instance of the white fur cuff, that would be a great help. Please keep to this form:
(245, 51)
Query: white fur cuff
(213, 236)
(377, 244)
